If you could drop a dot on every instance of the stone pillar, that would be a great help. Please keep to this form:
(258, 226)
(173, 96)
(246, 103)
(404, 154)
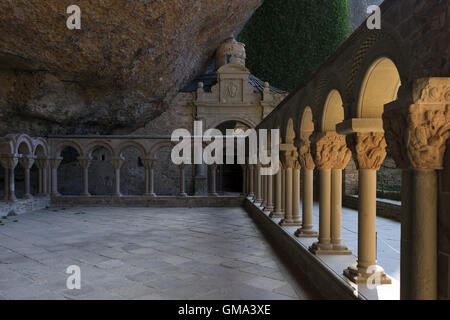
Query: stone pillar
(291, 163)
(331, 156)
(283, 192)
(54, 164)
(244, 180)
(251, 180)
(117, 164)
(269, 206)
(277, 213)
(27, 162)
(42, 165)
(258, 184)
(9, 162)
(263, 191)
(296, 194)
(307, 163)
(149, 177)
(417, 134)
(369, 153)
(212, 182)
(84, 164)
(182, 192)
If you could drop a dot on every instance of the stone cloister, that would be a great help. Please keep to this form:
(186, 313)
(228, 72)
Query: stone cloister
(382, 91)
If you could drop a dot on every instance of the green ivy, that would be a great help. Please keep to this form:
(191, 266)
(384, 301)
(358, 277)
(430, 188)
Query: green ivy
(286, 40)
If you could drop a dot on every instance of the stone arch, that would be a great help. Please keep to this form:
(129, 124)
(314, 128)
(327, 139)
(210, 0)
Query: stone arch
(332, 112)
(379, 86)
(376, 44)
(158, 145)
(134, 144)
(61, 145)
(98, 144)
(40, 149)
(24, 145)
(247, 122)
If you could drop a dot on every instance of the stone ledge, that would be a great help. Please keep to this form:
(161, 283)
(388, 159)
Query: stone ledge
(24, 205)
(140, 201)
(325, 273)
(386, 209)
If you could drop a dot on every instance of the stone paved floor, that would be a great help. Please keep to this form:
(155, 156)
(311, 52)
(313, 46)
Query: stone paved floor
(142, 253)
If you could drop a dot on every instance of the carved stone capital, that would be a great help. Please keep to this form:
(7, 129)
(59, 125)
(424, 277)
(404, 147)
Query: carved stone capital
(431, 91)
(330, 151)
(9, 161)
(55, 162)
(305, 158)
(148, 163)
(26, 162)
(289, 158)
(84, 162)
(41, 163)
(417, 133)
(369, 149)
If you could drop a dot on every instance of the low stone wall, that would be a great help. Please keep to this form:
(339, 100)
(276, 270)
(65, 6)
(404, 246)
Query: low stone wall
(385, 209)
(23, 205)
(324, 273)
(139, 201)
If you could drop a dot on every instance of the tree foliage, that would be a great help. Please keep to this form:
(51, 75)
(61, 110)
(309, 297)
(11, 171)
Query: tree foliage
(286, 40)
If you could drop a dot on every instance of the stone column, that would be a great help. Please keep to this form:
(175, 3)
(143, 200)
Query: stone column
(117, 164)
(417, 134)
(369, 153)
(9, 162)
(269, 205)
(149, 177)
(251, 180)
(212, 182)
(283, 191)
(290, 162)
(264, 191)
(258, 184)
(244, 180)
(182, 192)
(27, 162)
(54, 164)
(42, 165)
(277, 213)
(85, 162)
(296, 194)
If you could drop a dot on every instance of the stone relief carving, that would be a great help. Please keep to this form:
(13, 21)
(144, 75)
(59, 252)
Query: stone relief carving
(305, 157)
(418, 133)
(290, 158)
(330, 151)
(369, 149)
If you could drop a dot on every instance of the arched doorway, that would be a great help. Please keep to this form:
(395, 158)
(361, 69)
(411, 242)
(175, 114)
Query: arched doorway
(230, 175)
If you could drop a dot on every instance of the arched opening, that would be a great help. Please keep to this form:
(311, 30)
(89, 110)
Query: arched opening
(24, 150)
(101, 172)
(333, 111)
(69, 172)
(229, 175)
(379, 87)
(39, 153)
(132, 173)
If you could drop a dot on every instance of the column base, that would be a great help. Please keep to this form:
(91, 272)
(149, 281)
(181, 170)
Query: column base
(182, 194)
(306, 233)
(321, 248)
(85, 194)
(269, 208)
(117, 195)
(27, 196)
(213, 194)
(290, 223)
(151, 194)
(276, 215)
(360, 275)
(340, 249)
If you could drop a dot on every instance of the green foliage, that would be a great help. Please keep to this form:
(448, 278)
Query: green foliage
(286, 40)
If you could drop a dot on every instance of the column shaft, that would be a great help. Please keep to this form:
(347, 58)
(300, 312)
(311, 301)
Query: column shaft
(251, 179)
(6, 195)
(324, 243)
(278, 195)
(182, 186)
(296, 196)
(336, 212)
(307, 229)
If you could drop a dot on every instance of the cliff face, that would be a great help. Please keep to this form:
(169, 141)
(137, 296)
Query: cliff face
(119, 71)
